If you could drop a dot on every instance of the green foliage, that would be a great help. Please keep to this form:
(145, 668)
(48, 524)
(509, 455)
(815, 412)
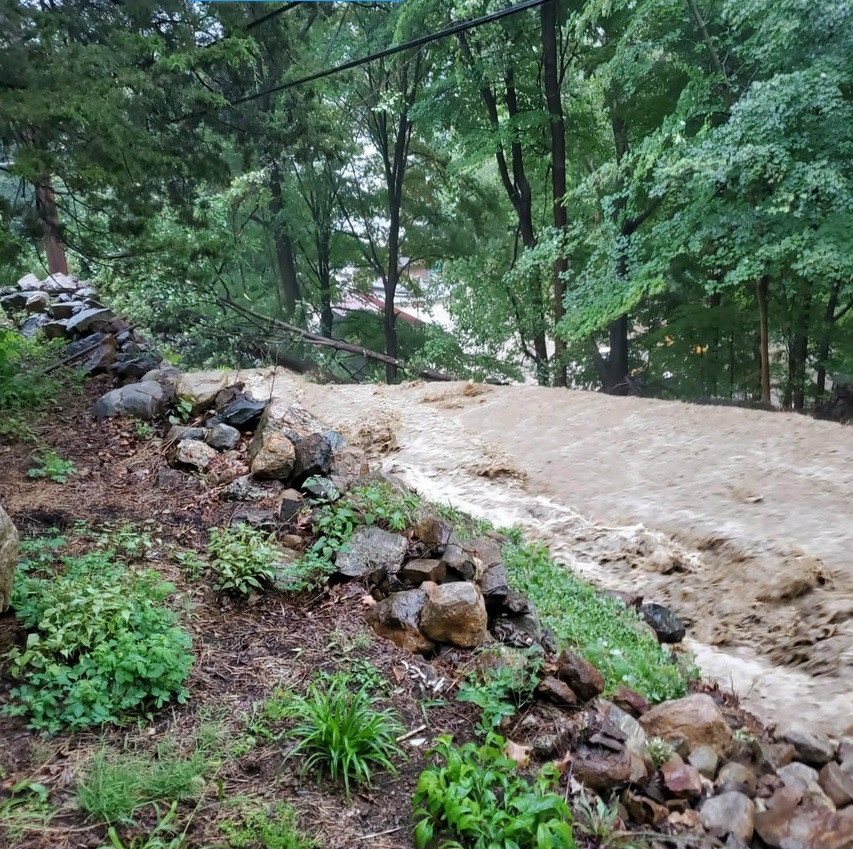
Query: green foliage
(143, 430)
(267, 827)
(502, 688)
(659, 750)
(133, 542)
(51, 466)
(164, 834)
(475, 798)
(117, 784)
(341, 734)
(100, 644)
(26, 808)
(601, 628)
(242, 558)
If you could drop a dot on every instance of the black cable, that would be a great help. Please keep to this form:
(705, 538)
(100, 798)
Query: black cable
(287, 7)
(453, 29)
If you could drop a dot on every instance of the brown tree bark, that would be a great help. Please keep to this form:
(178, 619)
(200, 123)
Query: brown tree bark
(54, 250)
(761, 295)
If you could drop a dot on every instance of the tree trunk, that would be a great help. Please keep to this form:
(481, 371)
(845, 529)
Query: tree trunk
(761, 293)
(550, 24)
(826, 341)
(54, 250)
(289, 283)
(617, 362)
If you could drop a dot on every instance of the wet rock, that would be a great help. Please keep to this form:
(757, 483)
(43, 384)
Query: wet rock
(729, 813)
(737, 777)
(199, 389)
(417, 571)
(348, 465)
(14, 302)
(322, 489)
(454, 613)
(705, 760)
(630, 701)
(178, 432)
(601, 771)
(37, 302)
(810, 746)
(32, 325)
(8, 558)
(191, 452)
(56, 283)
(290, 504)
(805, 827)
(241, 412)
(803, 781)
(460, 562)
(668, 627)
(90, 320)
(397, 618)
(494, 584)
(56, 330)
(775, 755)
(580, 675)
(146, 400)
(434, 533)
(695, 719)
(643, 810)
(256, 517)
(174, 480)
(28, 282)
(271, 455)
(837, 785)
(313, 457)
(65, 309)
(522, 630)
(246, 488)
(371, 550)
(557, 691)
(99, 357)
(681, 780)
(222, 437)
(165, 376)
(133, 368)
(634, 737)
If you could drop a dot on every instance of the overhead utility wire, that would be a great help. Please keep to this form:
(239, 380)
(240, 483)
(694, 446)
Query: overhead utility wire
(453, 29)
(264, 18)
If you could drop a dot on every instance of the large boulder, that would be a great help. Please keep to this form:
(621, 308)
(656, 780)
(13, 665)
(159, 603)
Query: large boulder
(191, 452)
(804, 827)
(200, 389)
(695, 719)
(811, 746)
(371, 550)
(729, 813)
(146, 400)
(89, 321)
(271, 456)
(580, 675)
(397, 618)
(454, 613)
(8, 558)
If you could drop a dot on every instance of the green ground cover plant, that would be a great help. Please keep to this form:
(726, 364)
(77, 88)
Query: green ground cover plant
(599, 627)
(50, 466)
(100, 647)
(243, 559)
(261, 826)
(474, 797)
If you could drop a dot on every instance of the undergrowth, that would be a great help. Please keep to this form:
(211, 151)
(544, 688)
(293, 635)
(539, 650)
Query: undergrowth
(243, 559)
(601, 628)
(475, 797)
(262, 826)
(100, 645)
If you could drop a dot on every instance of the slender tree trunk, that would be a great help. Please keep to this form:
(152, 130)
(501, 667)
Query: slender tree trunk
(550, 24)
(289, 283)
(325, 280)
(826, 341)
(761, 294)
(617, 363)
(800, 353)
(54, 250)
(714, 301)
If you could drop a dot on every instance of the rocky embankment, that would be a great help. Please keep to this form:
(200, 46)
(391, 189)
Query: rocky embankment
(697, 767)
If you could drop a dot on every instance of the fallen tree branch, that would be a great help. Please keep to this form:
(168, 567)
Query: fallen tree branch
(338, 345)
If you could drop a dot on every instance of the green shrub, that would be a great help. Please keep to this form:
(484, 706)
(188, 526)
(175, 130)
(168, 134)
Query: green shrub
(341, 734)
(262, 827)
(100, 645)
(600, 627)
(51, 466)
(242, 558)
(477, 799)
(163, 834)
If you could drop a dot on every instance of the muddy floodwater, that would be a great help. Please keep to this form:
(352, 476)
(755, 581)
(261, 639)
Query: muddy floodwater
(741, 520)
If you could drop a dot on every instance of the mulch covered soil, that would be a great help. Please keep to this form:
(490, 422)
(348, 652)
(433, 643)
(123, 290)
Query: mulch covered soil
(244, 651)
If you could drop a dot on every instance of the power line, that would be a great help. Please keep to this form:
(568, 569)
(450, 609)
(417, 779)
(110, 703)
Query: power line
(453, 29)
(264, 18)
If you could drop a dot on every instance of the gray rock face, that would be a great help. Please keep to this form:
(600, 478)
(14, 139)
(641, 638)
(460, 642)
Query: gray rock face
(804, 827)
(837, 784)
(729, 813)
(804, 784)
(90, 320)
(133, 368)
(222, 437)
(8, 558)
(32, 325)
(65, 309)
(28, 282)
(810, 746)
(37, 302)
(397, 618)
(178, 432)
(199, 390)
(454, 613)
(191, 452)
(705, 760)
(313, 457)
(246, 488)
(271, 455)
(668, 627)
(371, 550)
(146, 400)
(14, 302)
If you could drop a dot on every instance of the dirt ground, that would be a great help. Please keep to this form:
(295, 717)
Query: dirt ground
(741, 519)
